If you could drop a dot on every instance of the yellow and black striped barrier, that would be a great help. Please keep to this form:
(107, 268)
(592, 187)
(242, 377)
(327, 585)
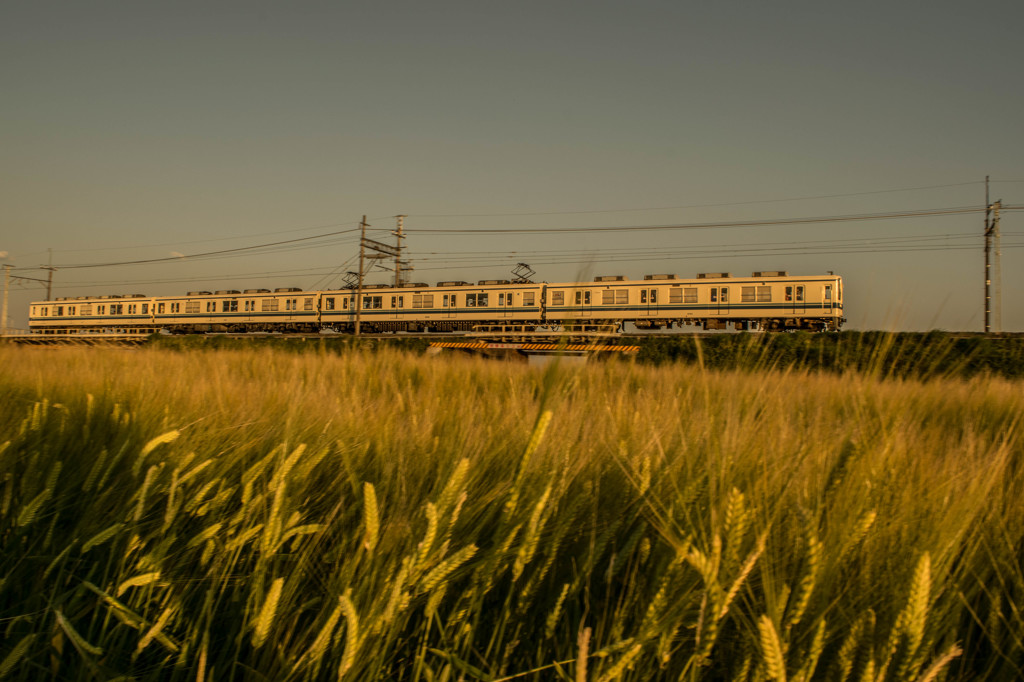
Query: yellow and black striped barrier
(570, 347)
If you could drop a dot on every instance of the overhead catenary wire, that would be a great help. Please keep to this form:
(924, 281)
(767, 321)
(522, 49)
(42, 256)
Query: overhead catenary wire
(892, 215)
(559, 258)
(282, 246)
(470, 255)
(147, 261)
(688, 206)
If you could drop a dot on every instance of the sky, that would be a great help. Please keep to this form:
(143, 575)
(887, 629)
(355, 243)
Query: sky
(509, 132)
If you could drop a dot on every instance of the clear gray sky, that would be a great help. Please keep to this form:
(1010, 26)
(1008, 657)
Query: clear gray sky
(144, 130)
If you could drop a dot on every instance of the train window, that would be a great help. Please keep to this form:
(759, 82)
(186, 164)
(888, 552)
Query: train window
(714, 294)
(764, 294)
(159, 309)
(145, 309)
(621, 296)
(675, 295)
(579, 297)
(227, 307)
(477, 300)
(828, 292)
(394, 301)
(100, 310)
(528, 298)
(373, 302)
(690, 295)
(268, 305)
(725, 294)
(190, 307)
(133, 307)
(422, 300)
(557, 298)
(175, 308)
(329, 303)
(643, 295)
(586, 298)
(117, 308)
(87, 308)
(747, 294)
(344, 303)
(445, 300)
(59, 311)
(789, 293)
(654, 295)
(800, 293)
(607, 297)
(307, 304)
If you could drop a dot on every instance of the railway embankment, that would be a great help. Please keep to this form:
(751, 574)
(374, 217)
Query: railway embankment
(896, 354)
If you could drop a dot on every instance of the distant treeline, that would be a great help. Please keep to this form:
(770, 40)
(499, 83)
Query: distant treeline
(900, 354)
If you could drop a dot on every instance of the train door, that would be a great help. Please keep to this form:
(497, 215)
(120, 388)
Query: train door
(649, 301)
(397, 306)
(448, 305)
(796, 298)
(830, 300)
(505, 303)
(720, 300)
(583, 302)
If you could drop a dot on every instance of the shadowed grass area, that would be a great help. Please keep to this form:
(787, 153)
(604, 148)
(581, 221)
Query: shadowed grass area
(257, 514)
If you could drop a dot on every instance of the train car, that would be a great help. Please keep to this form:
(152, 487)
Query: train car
(230, 310)
(91, 314)
(448, 306)
(771, 301)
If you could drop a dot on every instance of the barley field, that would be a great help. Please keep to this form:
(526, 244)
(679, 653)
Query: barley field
(263, 515)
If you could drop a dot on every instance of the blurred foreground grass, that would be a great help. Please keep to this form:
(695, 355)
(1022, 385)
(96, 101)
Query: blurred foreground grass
(261, 515)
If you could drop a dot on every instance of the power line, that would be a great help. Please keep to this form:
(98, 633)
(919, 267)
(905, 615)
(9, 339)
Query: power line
(922, 213)
(452, 255)
(722, 255)
(715, 205)
(208, 253)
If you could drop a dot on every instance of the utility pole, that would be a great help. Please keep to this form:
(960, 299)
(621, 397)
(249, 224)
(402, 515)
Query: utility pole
(381, 251)
(49, 278)
(359, 284)
(7, 287)
(399, 263)
(992, 235)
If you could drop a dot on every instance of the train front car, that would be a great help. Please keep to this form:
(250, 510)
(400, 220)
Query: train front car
(767, 301)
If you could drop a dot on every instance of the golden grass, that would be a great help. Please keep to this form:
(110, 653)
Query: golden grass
(483, 520)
